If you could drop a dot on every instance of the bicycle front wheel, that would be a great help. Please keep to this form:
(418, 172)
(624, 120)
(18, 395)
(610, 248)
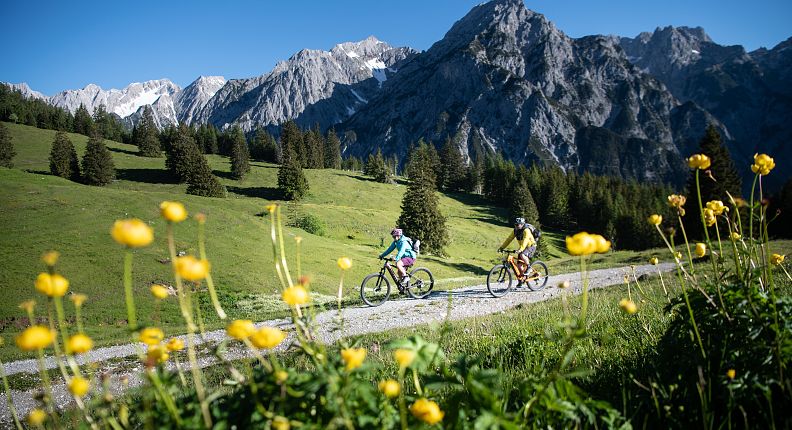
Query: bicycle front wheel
(421, 283)
(499, 280)
(375, 289)
(538, 278)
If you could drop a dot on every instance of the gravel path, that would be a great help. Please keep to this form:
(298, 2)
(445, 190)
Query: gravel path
(121, 364)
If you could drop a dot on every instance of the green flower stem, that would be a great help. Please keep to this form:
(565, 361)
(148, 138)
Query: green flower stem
(417, 382)
(169, 403)
(340, 295)
(56, 343)
(282, 248)
(704, 225)
(750, 217)
(130, 300)
(687, 247)
(45, 380)
(274, 238)
(584, 304)
(299, 270)
(198, 314)
(662, 283)
(186, 313)
(267, 365)
(402, 404)
(78, 318)
(10, 400)
(61, 319)
(209, 283)
(180, 371)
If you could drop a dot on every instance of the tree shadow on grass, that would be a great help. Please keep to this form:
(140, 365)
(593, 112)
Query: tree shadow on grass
(463, 267)
(222, 174)
(39, 172)
(266, 193)
(125, 151)
(149, 176)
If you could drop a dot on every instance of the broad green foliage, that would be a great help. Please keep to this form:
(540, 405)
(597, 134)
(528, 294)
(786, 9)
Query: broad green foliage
(97, 163)
(63, 158)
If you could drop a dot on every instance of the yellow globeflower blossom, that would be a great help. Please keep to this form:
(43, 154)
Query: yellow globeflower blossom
(79, 344)
(581, 244)
(271, 208)
(676, 200)
(157, 354)
(191, 268)
(28, 305)
(50, 258)
(173, 211)
(159, 291)
(52, 285)
(281, 376)
(628, 306)
(78, 299)
(296, 295)
(34, 338)
(79, 386)
(133, 233)
(404, 357)
(709, 217)
(717, 207)
(653, 261)
(280, 423)
(735, 236)
(678, 255)
(344, 263)
(701, 249)
(731, 373)
(151, 335)
(603, 245)
(763, 164)
(655, 219)
(353, 357)
(699, 161)
(390, 388)
(175, 344)
(36, 417)
(777, 259)
(427, 411)
(298, 239)
(267, 337)
(240, 329)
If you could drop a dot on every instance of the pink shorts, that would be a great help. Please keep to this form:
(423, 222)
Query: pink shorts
(407, 261)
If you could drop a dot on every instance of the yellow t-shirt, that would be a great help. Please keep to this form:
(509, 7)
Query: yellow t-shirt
(527, 240)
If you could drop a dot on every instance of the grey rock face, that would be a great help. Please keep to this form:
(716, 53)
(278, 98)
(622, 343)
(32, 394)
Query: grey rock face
(122, 102)
(27, 91)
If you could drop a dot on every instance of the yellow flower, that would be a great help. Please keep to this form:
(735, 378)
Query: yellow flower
(50, 258)
(157, 354)
(735, 236)
(271, 208)
(298, 239)
(390, 388)
(717, 207)
(267, 337)
(191, 268)
(678, 255)
(36, 417)
(173, 211)
(581, 244)
(603, 245)
(731, 373)
(777, 259)
(655, 219)
(563, 285)
(701, 249)
(79, 386)
(240, 329)
(699, 161)
(676, 200)
(280, 423)
(52, 285)
(28, 305)
(78, 299)
(427, 411)
(763, 164)
(175, 344)
(151, 335)
(281, 376)
(653, 261)
(34, 338)
(159, 291)
(404, 357)
(353, 357)
(344, 263)
(200, 217)
(295, 295)
(628, 306)
(709, 217)
(133, 233)
(79, 344)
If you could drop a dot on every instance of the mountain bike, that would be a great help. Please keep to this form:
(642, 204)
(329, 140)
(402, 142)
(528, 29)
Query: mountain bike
(375, 288)
(499, 279)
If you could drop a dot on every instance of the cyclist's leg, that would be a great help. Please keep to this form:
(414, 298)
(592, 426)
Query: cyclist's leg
(402, 270)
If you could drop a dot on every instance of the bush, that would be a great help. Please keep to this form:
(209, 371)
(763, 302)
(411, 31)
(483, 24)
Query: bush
(311, 224)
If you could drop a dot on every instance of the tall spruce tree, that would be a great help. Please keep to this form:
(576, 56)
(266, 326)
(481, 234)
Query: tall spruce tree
(83, 123)
(314, 144)
(202, 182)
(147, 136)
(291, 141)
(63, 159)
(556, 198)
(454, 171)
(375, 167)
(291, 180)
(332, 151)
(421, 217)
(263, 146)
(522, 204)
(240, 158)
(7, 151)
(725, 179)
(97, 163)
(183, 155)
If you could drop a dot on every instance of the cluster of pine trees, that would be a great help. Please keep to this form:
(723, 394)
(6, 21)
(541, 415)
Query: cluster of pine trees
(97, 166)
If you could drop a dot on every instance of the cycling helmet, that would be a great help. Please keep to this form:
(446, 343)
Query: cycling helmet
(396, 232)
(519, 220)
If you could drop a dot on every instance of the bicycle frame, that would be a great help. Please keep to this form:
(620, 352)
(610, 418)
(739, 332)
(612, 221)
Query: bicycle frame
(513, 263)
(393, 276)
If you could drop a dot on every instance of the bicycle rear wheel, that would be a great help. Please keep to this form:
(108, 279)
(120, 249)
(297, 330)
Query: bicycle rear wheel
(375, 289)
(421, 283)
(538, 278)
(499, 280)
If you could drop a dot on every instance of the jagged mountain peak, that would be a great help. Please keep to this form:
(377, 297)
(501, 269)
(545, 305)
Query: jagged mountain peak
(26, 91)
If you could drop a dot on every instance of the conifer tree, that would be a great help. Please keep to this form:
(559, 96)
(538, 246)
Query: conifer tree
(421, 217)
(83, 123)
(352, 164)
(240, 158)
(263, 146)
(291, 141)
(291, 180)
(7, 151)
(206, 137)
(475, 175)
(332, 151)
(146, 135)
(725, 179)
(97, 163)
(375, 167)
(183, 155)
(314, 144)
(556, 194)
(202, 182)
(454, 171)
(522, 204)
(63, 159)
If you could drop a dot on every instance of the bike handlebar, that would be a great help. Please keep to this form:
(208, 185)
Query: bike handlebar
(507, 251)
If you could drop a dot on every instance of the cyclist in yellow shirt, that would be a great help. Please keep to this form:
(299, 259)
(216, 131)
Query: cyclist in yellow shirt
(526, 242)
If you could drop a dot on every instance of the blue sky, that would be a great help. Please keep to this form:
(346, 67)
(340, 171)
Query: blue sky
(57, 45)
